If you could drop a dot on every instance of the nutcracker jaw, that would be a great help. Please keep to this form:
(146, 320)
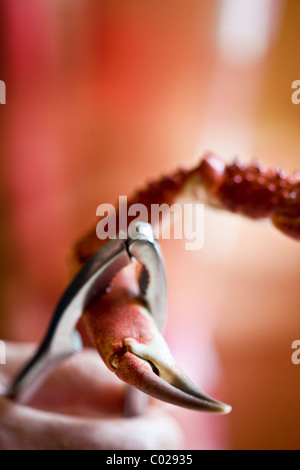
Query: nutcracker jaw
(94, 279)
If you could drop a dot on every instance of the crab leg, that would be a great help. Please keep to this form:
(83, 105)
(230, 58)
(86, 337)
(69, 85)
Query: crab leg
(250, 190)
(253, 191)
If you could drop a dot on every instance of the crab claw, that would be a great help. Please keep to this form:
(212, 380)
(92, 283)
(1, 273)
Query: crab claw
(131, 345)
(161, 378)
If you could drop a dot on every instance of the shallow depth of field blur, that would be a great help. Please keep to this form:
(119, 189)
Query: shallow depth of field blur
(104, 96)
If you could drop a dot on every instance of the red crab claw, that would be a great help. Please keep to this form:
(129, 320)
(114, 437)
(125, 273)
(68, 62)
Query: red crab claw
(131, 346)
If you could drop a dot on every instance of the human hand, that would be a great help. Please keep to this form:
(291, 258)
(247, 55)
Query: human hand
(79, 407)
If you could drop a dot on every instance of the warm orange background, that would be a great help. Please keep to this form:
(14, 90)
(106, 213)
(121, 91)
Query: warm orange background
(103, 96)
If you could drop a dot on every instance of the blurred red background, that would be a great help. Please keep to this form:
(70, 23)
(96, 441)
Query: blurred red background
(105, 96)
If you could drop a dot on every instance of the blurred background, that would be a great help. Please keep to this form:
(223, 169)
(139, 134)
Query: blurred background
(103, 96)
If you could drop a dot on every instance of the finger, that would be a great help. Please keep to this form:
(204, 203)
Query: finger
(28, 428)
(81, 384)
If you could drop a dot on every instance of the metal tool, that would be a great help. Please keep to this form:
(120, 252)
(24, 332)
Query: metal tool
(62, 339)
